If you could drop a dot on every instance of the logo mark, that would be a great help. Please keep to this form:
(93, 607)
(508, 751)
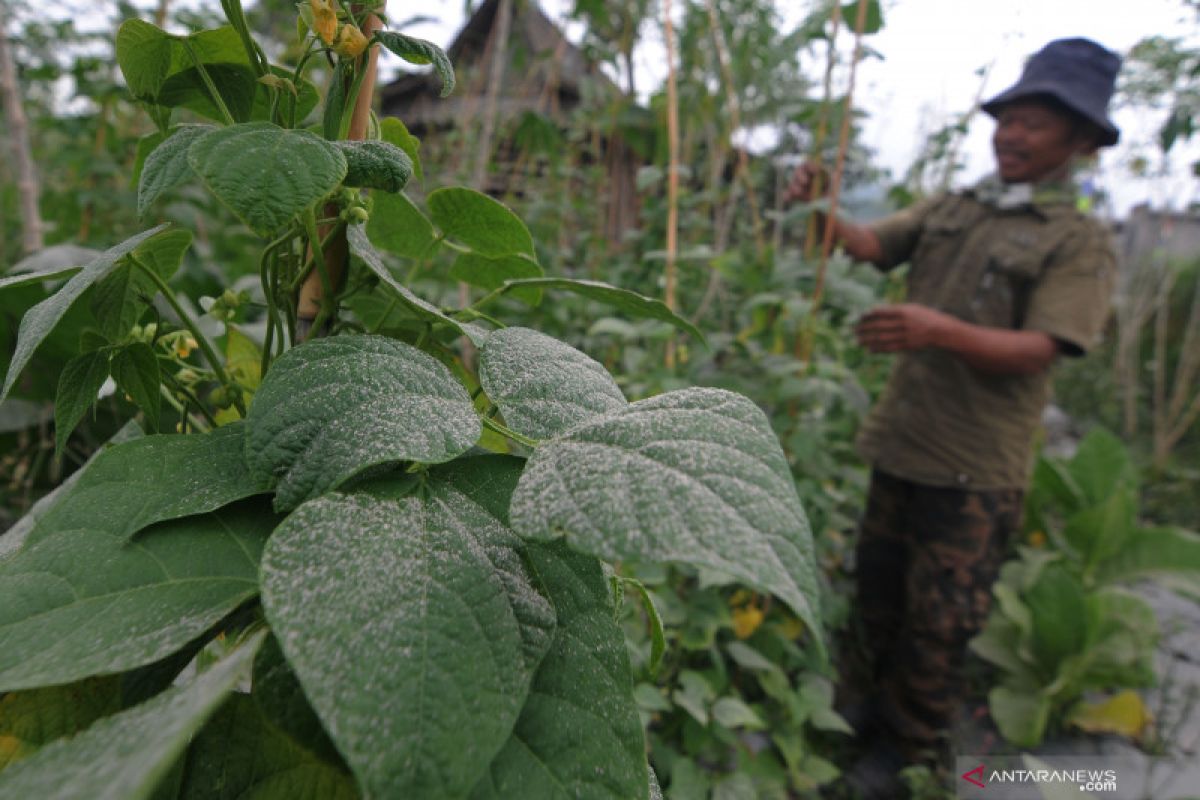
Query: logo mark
(978, 777)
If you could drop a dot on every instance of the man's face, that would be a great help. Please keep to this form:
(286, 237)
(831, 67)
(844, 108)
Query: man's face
(1034, 141)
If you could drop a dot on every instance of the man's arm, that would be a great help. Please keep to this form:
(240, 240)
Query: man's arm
(908, 326)
(859, 241)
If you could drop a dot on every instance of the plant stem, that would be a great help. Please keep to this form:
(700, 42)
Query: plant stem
(205, 346)
(504, 430)
(208, 82)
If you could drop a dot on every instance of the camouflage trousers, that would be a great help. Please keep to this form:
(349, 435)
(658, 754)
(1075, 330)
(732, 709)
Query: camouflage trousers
(926, 561)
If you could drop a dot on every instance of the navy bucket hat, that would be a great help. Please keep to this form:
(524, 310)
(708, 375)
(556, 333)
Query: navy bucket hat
(1078, 73)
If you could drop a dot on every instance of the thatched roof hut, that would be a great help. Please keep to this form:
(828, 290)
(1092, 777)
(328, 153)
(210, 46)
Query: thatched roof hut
(544, 75)
(552, 72)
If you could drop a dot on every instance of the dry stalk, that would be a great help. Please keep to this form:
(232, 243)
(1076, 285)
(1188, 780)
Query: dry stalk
(672, 174)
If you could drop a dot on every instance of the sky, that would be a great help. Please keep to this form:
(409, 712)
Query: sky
(932, 51)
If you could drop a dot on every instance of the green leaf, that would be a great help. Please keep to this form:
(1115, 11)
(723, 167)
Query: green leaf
(33, 719)
(159, 68)
(419, 653)
(1100, 531)
(733, 713)
(1101, 464)
(78, 386)
(375, 165)
(1059, 612)
(153, 479)
(579, 734)
(15, 537)
(1000, 644)
(1054, 479)
(123, 757)
(264, 174)
(394, 131)
(360, 246)
(330, 408)
(1020, 715)
(40, 320)
(167, 166)
(145, 146)
(1153, 552)
(873, 20)
(1121, 651)
(282, 701)
(479, 222)
(694, 476)
(419, 51)
(240, 754)
(658, 638)
(334, 113)
(399, 227)
(13, 281)
(306, 98)
(491, 273)
(543, 386)
(631, 303)
(120, 299)
(86, 601)
(135, 369)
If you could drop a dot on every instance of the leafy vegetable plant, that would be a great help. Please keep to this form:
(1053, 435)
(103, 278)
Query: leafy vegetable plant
(1063, 624)
(398, 550)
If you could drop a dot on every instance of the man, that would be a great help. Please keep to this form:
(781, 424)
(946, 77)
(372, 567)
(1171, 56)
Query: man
(1004, 278)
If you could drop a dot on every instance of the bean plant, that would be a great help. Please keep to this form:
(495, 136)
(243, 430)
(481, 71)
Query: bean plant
(369, 560)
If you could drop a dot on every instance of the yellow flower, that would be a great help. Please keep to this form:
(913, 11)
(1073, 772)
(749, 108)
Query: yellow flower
(1037, 539)
(746, 621)
(184, 346)
(324, 19)
(350, 42)
(792, 628)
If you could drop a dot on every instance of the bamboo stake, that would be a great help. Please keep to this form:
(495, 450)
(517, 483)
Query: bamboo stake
(835, 187)
(810, 236)
(742, 170)
(18, 129)
(483, 151)
(337, 253)
(672, 174)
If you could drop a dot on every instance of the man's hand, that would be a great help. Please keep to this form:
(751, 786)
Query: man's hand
(907, 326)
(910, 326)
(808, 182)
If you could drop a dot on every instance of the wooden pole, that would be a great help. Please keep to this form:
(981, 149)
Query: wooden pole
(337, 253)
(818, 142)
(672, 174)
(18, 131)
(735, 123)
(839, 167)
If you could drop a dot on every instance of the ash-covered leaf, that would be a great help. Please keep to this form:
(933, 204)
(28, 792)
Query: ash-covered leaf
(123, 757)
(413, 627)
(167, 165)
(330, 408)
(544, 386)
(419, 51)
(266, 175)
(579, 734)
(694, 476)
(373, 164)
